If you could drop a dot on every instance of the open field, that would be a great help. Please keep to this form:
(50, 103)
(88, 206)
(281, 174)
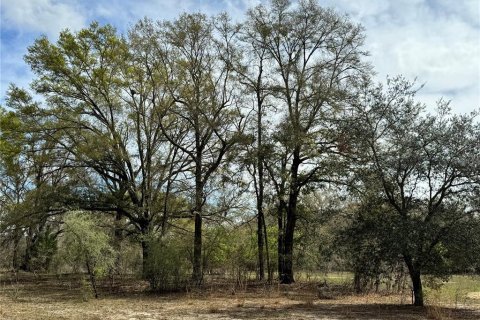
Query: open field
(54, 297)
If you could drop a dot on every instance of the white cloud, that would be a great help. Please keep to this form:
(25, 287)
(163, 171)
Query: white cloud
(42, 16)
(437, 42)
(24, 20)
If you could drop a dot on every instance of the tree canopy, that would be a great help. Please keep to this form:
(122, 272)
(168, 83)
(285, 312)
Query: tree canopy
(174, 137)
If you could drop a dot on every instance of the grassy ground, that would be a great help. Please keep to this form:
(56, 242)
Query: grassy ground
(50, 297)
(458, 291)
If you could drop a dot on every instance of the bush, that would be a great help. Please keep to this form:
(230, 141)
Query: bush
(167, 264)
(87, 245)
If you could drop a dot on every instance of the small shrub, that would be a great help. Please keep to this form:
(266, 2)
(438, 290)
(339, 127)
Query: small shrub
(213, 309)
(167, 265)
(87, 246)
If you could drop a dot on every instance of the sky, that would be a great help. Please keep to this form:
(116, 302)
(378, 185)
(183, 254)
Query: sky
(436, 42)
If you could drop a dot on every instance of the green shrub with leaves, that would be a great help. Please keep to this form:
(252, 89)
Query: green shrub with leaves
(230, 251)
(86, 245)
(167, 266)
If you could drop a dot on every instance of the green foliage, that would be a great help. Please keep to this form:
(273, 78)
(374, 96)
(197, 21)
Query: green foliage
(419, 171)
(370, 249)
(320, 220)
(150, 127)
(86, 246)
(231, 249)
(167, 265)
(10, 139)
(44, 250)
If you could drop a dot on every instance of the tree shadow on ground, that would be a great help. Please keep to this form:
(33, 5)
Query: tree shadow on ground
(348, 311)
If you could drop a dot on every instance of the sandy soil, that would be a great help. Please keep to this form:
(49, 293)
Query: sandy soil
(51, 298)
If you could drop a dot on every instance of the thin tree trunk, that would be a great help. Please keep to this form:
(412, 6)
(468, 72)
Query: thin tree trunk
(287, 276)
(145, 252)
(197, 250)
(291, 219)
(357, 282)
(415, 276)
(197, 275)
(145, 231)
(16, 241)
(267, 252)
(118, 235)
(260, 214)
(93, 281)
(280, 242)
(260, 222)
(260, 238)
(27, 258)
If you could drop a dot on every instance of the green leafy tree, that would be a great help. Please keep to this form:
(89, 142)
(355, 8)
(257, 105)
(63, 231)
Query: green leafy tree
(13, 181)
(208, 122)
(424, 168)
(87, 245)
(103, 100)
(250, 68)
(34, 184)
(315, 60)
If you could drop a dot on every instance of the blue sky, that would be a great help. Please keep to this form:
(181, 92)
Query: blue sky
(435, 41)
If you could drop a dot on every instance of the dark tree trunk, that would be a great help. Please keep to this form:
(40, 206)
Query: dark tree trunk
(287, 275)
(291, 219)
(29, 250)
(197, 250)
(280, 240)
(260, 215)
(260, 244)
(357, 283)
(16, 241)
(197, 275)
(93, 280)
(145, 242)
(145, 252)
(118, 236)
(260, 222)
(417, 289)
(415, 276)
(269, 266)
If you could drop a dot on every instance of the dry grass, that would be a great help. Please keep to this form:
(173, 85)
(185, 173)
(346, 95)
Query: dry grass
(45, 297)
(438, 313)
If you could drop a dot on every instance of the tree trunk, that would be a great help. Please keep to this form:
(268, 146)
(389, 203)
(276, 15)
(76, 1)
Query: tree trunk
(145, 242)
(280, 242)
(287, 275)
(197, 275)
(415, 276)
(118, 236)
(27, 258)
(93, 280)
(16, 241)
(417, 289)
(357, 282)
(197, 250)
(269, 266)
(260, 214)
(145, 252)
(291, 219)
(260, 238)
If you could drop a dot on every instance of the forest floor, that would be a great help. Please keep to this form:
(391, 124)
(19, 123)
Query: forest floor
(65, 297)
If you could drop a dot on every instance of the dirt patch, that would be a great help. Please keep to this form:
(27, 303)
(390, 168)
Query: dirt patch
(474, 295)
(61, 299)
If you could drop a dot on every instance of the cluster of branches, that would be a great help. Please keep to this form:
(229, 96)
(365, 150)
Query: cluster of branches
(184, 119)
